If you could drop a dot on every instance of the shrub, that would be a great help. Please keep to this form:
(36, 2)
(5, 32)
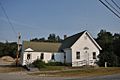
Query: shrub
(39, 64)
(67, 64)
(54, 63)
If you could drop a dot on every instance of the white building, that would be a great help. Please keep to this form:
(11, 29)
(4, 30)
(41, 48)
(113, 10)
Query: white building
(79, 50)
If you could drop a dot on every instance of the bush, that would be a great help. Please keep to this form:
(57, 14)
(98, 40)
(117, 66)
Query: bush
(39, 64)
(67, 64)
(54, 64)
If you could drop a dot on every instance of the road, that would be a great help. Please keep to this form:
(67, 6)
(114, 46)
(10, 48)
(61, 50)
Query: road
(106, 77)
(24, 76)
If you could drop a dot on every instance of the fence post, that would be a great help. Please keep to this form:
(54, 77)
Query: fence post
(105, 64)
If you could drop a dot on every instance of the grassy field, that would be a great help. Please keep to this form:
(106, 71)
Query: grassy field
(53, 68)
(11, 69)
(79, 72)
(61, 71)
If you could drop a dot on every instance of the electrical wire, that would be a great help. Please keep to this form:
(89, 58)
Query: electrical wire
(109, 9)
(8, 18)
(115, 4)
(112, 7)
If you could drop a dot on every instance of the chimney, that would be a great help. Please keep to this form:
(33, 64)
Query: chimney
(65, 36)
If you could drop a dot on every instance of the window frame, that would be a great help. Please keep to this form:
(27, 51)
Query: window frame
(78, 55)
(94, 55)
(28, 56)
(53, 57)
(41, 56)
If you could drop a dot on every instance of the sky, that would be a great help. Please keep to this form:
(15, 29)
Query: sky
(39, 18)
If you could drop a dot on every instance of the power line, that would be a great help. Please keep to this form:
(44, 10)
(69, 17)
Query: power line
(109, 8)
(115, 4)
(8, 18)
(112, 6)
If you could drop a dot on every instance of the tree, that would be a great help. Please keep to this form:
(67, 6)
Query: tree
(58, 39)
(116, 44)
(54, 38)
(8, 49)
(105, 40)
(51, 38)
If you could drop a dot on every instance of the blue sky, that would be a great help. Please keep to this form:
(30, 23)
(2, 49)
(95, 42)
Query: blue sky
(39, 18)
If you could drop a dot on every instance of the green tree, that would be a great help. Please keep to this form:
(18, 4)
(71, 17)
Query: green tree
(105, 40)
(116, 44)
(52, 37)
(8, 49)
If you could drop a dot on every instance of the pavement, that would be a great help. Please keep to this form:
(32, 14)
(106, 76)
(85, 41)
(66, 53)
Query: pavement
(105, 77)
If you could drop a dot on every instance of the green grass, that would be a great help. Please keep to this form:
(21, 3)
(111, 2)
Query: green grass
(11, 69)
(90, 72)
(52, 68)
(81, 72)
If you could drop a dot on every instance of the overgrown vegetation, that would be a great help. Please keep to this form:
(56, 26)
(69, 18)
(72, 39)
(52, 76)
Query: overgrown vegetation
(41, 64)
(8, 49)
(110, 48)
(54, 64)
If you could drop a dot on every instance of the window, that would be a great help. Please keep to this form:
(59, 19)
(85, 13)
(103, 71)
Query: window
(64, 55)
(28, 56)
(77, 55)
(53, 57)
(94, 55)
(42, 56)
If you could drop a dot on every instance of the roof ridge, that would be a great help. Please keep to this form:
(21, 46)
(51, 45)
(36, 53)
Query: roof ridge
(69, 41)
(76, 34)
(40, 42)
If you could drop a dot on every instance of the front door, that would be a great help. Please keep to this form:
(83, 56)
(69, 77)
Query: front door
(86, 58)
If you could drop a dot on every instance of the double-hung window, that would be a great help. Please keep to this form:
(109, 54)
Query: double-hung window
(77, 55)
(28, 56)
(94, 55)
(42, 56)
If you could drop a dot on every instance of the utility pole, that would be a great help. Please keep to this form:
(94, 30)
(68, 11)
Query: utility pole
(18, 49)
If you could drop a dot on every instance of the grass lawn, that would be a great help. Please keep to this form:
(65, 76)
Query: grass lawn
(52, 68)
(62, 71)
(11, 69)
(79, 72)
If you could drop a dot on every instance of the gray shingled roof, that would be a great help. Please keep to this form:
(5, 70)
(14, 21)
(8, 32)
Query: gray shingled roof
(42, 46)
(69, 41)
(52, 47)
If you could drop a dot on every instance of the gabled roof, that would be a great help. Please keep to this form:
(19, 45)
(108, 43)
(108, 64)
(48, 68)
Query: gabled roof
(69, 41)
(57, 47)
(41, 46)
(29, 50)
(94, 42)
